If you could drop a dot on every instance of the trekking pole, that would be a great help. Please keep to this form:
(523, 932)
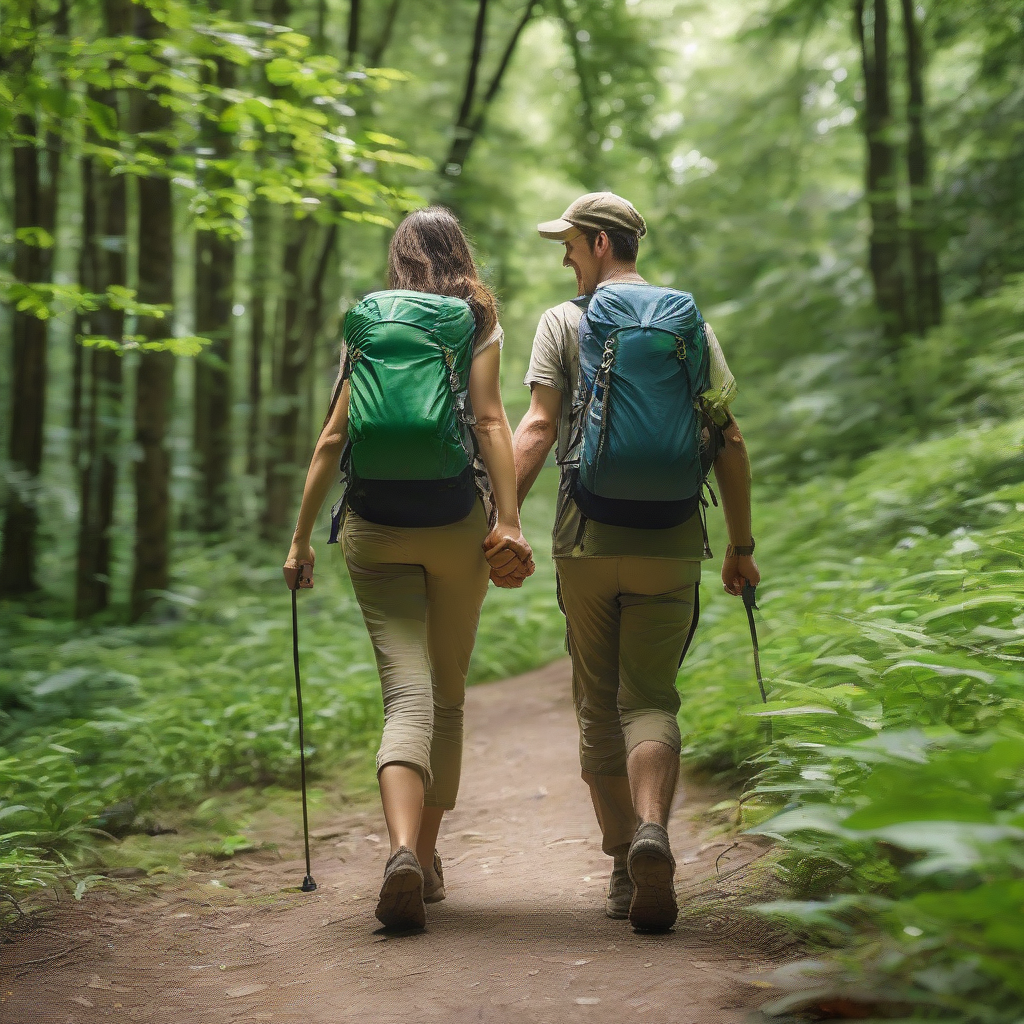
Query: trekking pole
(750, 603)
(308, 885)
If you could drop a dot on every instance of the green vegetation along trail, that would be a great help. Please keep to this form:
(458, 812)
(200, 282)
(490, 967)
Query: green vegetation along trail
(522, 935)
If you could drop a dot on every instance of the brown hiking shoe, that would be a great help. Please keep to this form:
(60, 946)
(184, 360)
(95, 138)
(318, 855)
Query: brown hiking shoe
(436, 892)
(401, 896)
(652, 869)
(620, 891)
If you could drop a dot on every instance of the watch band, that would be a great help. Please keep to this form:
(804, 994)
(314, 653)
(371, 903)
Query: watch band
(741, 549)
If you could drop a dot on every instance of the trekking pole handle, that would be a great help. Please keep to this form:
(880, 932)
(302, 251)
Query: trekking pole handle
(298, 577)
(749, 595)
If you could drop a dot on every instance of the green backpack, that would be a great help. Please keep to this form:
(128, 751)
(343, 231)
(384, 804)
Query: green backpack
(410, 443)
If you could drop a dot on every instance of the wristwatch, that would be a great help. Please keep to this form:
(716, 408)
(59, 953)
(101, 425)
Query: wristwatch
(740, 549)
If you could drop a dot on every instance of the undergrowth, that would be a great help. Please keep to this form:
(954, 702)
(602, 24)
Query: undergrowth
(892, 640)
(104, 727)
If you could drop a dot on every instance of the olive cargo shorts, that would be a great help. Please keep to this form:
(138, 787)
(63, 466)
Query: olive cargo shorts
(628, 619)
(420, 590)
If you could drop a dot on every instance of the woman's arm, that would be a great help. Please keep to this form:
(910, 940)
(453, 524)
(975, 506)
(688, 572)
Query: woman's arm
(494, 438)
(323, 468)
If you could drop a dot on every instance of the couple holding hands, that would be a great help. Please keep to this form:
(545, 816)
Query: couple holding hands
(631, 385)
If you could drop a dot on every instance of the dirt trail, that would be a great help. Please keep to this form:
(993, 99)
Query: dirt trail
(521, 937)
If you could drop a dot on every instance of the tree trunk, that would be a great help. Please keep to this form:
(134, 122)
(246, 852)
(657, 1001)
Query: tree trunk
(469, 92)
(384, 39)
(262, 246)
(884, 246)
(468, 134)
(103, 263)
(214, 302)
(923, 247)
(305, 261)
(154, 382)
(215, 275)
(104, 259)
(34, 206)
(352, 47)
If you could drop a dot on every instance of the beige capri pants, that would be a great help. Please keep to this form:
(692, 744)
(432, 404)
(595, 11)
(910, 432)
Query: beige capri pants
(420, 590)
(628, 617)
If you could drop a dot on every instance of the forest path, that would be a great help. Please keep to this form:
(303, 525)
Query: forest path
(522, 935)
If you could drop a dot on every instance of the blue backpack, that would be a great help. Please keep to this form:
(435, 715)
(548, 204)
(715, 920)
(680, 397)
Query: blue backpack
(635, 458)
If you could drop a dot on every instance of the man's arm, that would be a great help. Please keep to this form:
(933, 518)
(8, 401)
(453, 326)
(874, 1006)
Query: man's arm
(535, 435)
(732, 471)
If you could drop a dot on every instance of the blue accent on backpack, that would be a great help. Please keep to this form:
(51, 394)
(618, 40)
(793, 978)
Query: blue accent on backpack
(644, 362)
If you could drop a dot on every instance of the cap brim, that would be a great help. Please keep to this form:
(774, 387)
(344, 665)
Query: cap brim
(556, 229)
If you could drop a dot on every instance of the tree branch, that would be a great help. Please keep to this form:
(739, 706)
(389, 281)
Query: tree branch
(384, 40)
(462, 143)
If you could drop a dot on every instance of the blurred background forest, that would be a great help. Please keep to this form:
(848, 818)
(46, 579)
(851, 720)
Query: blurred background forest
(192, 195)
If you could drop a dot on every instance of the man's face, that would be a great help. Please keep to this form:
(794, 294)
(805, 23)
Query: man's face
(579, 256)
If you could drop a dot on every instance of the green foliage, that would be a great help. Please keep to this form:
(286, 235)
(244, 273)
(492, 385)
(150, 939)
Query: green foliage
(101, 727)
(892, 641)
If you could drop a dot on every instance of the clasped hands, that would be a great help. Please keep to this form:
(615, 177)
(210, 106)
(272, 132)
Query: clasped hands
(509, 556)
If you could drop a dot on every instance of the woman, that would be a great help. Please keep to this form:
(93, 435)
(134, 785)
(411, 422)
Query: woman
(415, 533)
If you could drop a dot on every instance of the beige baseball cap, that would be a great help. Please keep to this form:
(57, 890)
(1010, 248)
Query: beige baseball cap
(597, 211)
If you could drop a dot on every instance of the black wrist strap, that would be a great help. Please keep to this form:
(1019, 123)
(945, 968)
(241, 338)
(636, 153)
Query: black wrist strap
(741, 549)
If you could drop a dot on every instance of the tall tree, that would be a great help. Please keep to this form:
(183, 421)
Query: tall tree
(885, 251)
(307, 256)
(376, 54)
(103, 263)
(472, 112)
(36, 173)
(352, 45)
(214, 301)
(262, 279)
(154, 380)
(921, 234)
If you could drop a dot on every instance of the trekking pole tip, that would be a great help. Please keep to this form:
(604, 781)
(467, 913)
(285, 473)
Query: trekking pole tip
(308, 885)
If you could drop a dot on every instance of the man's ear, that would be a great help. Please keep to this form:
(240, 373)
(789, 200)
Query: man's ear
(602, 243)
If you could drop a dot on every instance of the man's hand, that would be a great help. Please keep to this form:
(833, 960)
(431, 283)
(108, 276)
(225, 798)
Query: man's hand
(509, 556)
(737, 570)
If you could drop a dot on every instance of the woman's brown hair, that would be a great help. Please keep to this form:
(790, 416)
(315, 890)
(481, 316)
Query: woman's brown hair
(429, 253)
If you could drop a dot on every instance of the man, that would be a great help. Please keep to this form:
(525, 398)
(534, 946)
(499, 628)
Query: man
(629, 594)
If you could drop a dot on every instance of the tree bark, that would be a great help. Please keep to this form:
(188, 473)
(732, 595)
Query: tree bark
(923, 247)
(212, 401)
(34, 206)
(885, 251)
(103, 263)
(354, 10)
(262, 243)
(104, 252)
(154, 382)
(214, 296)
(464, 138)
(305, 261)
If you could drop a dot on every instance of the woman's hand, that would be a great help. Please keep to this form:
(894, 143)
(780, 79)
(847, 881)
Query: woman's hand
(509, 555)
(298, 566)
(737, 570)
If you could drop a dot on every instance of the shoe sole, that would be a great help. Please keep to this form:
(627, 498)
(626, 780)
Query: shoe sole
(653, 907)
(400, 906)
